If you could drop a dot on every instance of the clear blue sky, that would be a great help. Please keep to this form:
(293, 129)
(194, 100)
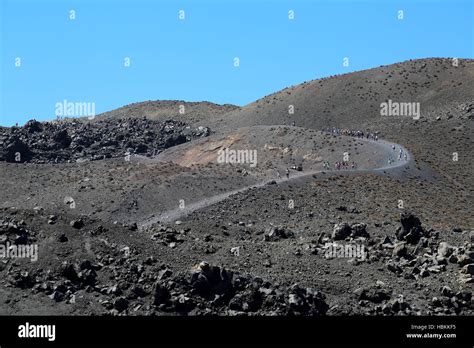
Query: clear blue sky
(82, 60)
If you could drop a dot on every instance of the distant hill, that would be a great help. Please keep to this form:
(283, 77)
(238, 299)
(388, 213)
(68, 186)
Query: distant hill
(353, 100)
(195, 113)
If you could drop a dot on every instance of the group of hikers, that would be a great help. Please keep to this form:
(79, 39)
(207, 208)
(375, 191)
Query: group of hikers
(401, 154)
(340, 165)
(353, 133)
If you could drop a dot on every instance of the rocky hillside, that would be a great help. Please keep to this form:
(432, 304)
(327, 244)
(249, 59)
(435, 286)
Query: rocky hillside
(55, 142)
(194, 113)
(353, 100)
(444, 91)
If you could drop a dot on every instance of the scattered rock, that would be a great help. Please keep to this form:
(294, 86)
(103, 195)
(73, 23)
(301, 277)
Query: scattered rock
(121, 304)
(359, 230)
(469, 269)
(411, 230)
(276, 233)
(400, 250)
(444, 249)
(78, 224)
(446, 291)
(341, 231)
(161, 294)
(62, 238)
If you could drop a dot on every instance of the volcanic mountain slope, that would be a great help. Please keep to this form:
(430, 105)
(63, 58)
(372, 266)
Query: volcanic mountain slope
(129, 189)
(353, 100)
(93, 259)
(445, 93)
(193, 113)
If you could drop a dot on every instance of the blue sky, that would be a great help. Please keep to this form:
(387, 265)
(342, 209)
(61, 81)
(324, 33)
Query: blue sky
(82, 60)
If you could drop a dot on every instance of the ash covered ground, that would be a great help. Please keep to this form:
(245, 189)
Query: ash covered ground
(133, 214)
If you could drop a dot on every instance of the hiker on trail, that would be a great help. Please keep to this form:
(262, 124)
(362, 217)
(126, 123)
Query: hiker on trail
(278, 175)
(287, 173)
(293, 123)
(406, 156)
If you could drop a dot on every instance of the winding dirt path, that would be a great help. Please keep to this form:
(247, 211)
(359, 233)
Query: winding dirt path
(175, 214)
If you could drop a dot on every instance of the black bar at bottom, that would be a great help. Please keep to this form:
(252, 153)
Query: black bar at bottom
(432, 331)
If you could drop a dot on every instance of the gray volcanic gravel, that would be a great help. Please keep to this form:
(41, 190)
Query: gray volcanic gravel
(135, 216)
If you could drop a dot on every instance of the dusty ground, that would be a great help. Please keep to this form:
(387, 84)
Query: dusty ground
(105, 245)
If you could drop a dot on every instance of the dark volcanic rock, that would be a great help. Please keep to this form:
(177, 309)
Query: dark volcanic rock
(121, 304)
(62, 138)
(33, 126)
(219, 291)
(175, 140)
(359, 230)
(341, 231)
(69, 272)
(15, 150)
(209, 280)
(306, 301)
(277, 233)
(250, 300)
(411, 230)
(56, 142)
(77, 224)
(22, 280)
(161, 294)
(14, 232)
(373, 294)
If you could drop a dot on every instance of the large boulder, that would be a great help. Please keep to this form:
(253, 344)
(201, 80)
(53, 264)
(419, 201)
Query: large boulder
(341, 231)
(276, 233)
(62, 139)
(410, 229)
(175, 140)
(16, 151)
(207, 280)
(161, 294)
(33, 126)
(307, 301)
(359, 230)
